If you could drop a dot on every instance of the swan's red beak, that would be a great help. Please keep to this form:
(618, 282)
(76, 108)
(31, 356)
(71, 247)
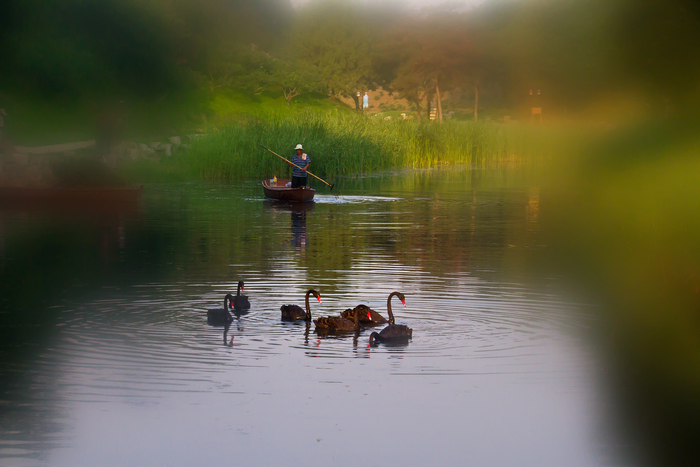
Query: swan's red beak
(403, 301)
(319, 299)
(242, 287)
(369, 316)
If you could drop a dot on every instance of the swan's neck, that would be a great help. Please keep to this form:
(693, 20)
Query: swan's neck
(372, 338)
(308, 308)
(388, 308)
(238, 292)
(357, 320)
(388, 304)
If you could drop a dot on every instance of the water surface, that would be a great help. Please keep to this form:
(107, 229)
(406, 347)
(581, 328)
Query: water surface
(108, 359)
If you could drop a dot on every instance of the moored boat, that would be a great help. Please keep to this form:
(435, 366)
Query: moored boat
(282, 192)
(73, 198)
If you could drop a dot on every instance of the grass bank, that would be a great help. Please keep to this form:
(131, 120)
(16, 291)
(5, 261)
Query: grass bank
(341, 142)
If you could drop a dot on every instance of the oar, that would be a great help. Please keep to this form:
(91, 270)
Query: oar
(292, 163)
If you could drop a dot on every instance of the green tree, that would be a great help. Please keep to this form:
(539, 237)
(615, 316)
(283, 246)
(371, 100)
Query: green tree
(657, 45)
(71, 48)
(292, 78)
(333, 40)
(257, 71)
(423, 57)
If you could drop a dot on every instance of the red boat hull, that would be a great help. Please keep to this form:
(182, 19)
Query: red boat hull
(283, 193)
(71, 199)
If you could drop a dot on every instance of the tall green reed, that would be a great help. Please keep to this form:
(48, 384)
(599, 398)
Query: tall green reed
(345, 143)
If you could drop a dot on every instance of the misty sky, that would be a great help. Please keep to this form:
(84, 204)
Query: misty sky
(415, 3)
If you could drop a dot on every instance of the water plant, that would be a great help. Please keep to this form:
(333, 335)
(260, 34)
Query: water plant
(345, 143)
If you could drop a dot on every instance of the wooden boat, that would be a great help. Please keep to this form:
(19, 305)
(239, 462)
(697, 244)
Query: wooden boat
(73, 199)
(282, 192)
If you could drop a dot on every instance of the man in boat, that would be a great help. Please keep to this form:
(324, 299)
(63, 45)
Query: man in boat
(301, 159)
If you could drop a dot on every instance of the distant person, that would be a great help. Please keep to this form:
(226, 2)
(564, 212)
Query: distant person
(301, 159)
(365, 101)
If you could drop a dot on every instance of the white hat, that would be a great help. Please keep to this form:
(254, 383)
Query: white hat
(298, 147)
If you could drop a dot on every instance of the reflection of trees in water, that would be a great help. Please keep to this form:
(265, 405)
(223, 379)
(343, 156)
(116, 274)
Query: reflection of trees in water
(45, 261)
(454, 216)
(448, 232)
(457, 215)
(183, 235)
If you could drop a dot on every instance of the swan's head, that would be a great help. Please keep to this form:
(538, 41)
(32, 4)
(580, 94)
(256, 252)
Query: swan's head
(373, 337)
(402, 297)
(317, 295)
(240, 284)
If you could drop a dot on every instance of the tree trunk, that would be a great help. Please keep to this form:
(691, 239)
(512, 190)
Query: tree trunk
(356, 98)
(418, 109)
(439, 101)
(476, 102)
(289, 94)
(429, 98)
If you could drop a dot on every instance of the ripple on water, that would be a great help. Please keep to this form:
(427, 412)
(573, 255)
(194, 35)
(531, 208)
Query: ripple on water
(148, 345)
(349, 199)
(158, 337)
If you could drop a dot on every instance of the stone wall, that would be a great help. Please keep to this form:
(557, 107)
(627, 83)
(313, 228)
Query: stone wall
(33, 166)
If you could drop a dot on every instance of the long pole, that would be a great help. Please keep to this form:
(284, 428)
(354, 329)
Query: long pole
(293, 164)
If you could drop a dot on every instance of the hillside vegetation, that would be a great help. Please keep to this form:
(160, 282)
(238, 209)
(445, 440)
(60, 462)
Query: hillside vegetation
(174, 66)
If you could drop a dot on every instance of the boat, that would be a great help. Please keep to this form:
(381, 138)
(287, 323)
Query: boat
(107, 198)
(282, 192)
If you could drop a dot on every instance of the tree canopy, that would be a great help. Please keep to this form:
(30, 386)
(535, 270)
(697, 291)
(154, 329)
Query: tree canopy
(575, 51)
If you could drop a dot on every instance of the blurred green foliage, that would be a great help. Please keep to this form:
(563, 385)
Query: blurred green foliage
(623, 215)
(167, 58)
(620, 79)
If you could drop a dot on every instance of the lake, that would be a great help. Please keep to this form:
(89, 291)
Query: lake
(107, 358)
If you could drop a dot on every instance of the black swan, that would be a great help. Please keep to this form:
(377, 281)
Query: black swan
(294, 312)
(393, 333)
(334, 324)
(240, 302)
(368, 316)
(221, 316)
